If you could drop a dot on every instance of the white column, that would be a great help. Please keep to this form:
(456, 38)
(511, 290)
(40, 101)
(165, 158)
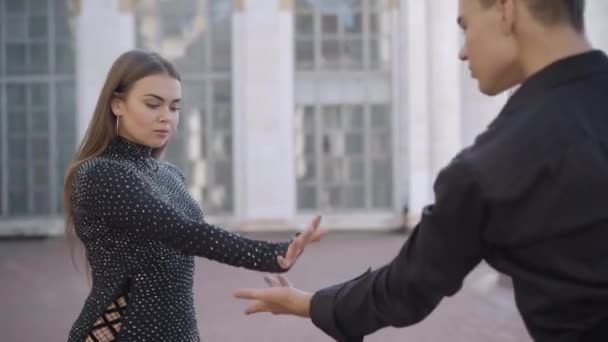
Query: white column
(263, 81)
(597, 25)
(414, 75)
(104, 30)
(445, 91)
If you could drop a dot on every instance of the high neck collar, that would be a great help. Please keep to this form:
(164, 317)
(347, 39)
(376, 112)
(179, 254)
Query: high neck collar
(130, 149)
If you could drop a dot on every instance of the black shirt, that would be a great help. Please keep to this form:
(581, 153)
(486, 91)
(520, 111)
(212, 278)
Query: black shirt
(530, 197)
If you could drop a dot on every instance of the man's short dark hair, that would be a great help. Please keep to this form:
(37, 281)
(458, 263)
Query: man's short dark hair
(552, 12)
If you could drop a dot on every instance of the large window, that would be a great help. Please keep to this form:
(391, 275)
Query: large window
(37, 105)
(342, 34)
(344, 157)
(196, 36)
(344, 153)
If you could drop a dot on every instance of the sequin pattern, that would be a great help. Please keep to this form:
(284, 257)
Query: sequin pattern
(142, 230)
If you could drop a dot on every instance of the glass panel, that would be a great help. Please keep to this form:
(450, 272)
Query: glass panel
(40, 122)
(41, 201)
(354, 143)
(15, 96)
(353, 53)
(356, 171)
(380, 116)
(17, 203)
(39, 58)
(333, 171)
(64, 58)
(330, 52)
(37, 6)
(334, 197)
(304, 24)
(17, 123)
(381, 184)
(354, 197)
(309, 119)
(40, 149)
(329, 24)
(39, 95)
(305, 54)
(303, 5)
(220, 195)
(15, 6)
(309, 144)
(15, 58)
(380, 53)
(380, 143)
(16, 27)
(353, 117)
(17, 151)
(37, 27)
(41, 175)
(354, 24)
(222, 111)
(307, 197)
(305, 170)
(331, 118)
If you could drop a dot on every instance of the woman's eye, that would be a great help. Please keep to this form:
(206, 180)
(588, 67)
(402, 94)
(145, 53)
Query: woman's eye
(175, 109)
(152, 106)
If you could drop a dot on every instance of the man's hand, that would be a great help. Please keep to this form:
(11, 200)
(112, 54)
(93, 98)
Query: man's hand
(296, 247)
(280, 298)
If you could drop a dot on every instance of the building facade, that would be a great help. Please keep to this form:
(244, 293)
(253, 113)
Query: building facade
(345, 108)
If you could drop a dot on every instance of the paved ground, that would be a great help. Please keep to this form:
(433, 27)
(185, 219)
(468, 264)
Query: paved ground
(41, 294)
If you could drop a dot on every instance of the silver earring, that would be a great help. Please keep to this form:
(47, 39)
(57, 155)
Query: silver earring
(117, 121)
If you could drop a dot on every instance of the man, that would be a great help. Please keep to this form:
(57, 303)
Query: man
(530, 196)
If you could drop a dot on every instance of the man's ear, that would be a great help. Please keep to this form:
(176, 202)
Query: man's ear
(508, 9)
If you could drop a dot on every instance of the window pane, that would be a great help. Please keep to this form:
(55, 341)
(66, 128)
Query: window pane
(64, 58)
(17, 123)
(40, 122)
(354, 24)
(307, 197)
(304, 24)
(40, 149)
(15, 58)
(330, 53)
(305, 54)
(305, 170)
(329, 24)
(380, 116)
(356, 171)
(380, 51)
(353, 117)
(39, 95)
(15, 6)
(39, 58)
(333, 170)
(353, 53)
(381, 186)
(331, 118)
(354, 143)
(16, 27)
(354, 197)
(15, 96)
(38, 27)
(380, 143)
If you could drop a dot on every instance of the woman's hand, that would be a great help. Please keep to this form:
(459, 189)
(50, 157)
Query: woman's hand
(296, 247)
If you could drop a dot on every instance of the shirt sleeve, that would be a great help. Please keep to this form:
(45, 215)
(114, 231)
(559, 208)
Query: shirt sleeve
(444, 247)
(116, 196)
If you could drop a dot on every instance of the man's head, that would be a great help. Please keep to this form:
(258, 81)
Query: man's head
(500, 34)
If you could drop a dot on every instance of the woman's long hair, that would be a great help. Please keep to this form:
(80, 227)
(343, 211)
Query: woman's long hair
(126, 70)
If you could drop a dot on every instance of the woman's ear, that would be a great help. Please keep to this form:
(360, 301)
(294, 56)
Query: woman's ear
(117, 105)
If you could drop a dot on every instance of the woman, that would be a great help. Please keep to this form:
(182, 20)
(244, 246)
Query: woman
(139, 225)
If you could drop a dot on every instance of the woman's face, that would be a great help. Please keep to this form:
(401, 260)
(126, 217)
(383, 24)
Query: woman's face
(150, 112)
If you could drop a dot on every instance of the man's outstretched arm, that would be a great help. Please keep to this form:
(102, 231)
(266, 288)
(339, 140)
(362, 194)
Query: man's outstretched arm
(445, 246)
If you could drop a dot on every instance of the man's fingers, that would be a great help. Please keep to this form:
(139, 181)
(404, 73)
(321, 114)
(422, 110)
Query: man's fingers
(257, 306)
(250, 294)
(283, 281)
